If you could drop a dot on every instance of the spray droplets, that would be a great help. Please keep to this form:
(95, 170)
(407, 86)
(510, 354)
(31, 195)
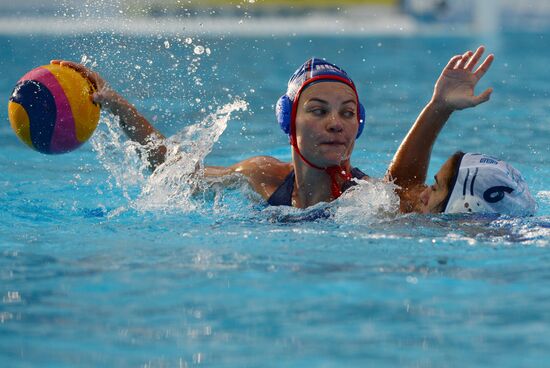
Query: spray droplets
(198, 50)
(88, 61)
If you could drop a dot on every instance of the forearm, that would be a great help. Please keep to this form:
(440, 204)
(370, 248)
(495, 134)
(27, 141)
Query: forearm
(410, 163)
(136, 127)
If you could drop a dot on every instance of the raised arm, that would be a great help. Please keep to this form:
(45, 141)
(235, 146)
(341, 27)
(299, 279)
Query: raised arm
(134, 125)
(454, 90)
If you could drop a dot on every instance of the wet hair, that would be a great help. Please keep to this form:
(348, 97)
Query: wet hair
(456, 158)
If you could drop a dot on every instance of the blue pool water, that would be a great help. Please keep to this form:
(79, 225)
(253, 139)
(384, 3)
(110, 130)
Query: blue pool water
(103, 265)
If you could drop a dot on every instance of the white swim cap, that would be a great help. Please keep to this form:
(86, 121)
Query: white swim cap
(484, 184)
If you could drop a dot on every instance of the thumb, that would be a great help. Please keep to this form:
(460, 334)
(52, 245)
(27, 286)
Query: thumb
(98, 98)
(483, 97)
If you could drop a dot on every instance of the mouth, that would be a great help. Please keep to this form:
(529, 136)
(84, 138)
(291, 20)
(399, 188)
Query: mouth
(333, 143)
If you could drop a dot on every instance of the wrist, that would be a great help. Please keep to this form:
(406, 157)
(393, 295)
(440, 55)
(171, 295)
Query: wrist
(111, 101)
(440, 106)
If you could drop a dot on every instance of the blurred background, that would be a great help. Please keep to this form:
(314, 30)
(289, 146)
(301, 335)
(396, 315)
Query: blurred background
(292, 16)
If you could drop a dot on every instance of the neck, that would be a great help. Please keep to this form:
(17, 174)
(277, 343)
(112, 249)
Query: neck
(312, 185)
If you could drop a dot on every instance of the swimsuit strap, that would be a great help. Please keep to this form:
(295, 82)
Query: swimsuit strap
(356, 174)
(282, 196)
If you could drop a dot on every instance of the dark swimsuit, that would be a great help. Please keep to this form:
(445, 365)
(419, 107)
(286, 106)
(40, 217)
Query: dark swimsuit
(283, 195)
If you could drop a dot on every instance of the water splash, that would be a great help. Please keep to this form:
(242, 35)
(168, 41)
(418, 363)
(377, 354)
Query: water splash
(173, 185)
(120, 157)
(543, 196)
(526, 230)
(367, 202)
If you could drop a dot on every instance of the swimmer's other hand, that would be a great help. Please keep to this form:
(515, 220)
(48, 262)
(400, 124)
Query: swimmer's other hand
(454, 90)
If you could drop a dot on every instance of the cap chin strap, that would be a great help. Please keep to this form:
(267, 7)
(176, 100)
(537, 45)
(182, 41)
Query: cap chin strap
(335, 172)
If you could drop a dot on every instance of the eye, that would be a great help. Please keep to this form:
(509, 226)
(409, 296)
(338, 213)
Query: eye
(433, 188)
(348, 114)
(318, 111)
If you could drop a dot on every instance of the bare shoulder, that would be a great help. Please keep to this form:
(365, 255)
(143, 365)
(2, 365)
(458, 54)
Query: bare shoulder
(264, 173)
(264, 167)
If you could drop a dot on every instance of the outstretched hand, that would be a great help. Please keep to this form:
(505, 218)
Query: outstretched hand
(454, 90)
(103, 93)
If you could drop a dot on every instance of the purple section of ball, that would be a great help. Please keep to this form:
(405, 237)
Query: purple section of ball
(64, 136)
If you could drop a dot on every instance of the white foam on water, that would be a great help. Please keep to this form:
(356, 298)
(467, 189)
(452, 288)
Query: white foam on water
(544, 196)
(367, 202)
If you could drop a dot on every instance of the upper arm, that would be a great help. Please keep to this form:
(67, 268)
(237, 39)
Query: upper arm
(251, 167)
(260, 167)
(409, 165)
(263, 173)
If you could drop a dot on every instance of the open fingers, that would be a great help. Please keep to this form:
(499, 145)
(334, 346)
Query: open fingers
(480, 72)
(475, 58)
(452, 63)
(464, 59)
(84, 71)
(71, 64)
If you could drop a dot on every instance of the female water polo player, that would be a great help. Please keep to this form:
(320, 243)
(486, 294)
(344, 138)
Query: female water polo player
(471, 183)
(468, 182)
(323, 116)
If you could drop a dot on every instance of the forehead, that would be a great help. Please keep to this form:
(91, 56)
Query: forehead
(328, 91)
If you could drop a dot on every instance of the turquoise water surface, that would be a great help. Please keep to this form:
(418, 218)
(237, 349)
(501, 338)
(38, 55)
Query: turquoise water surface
(102, 264)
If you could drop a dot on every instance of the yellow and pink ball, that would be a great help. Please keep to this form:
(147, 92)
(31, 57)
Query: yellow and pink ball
(51, 109)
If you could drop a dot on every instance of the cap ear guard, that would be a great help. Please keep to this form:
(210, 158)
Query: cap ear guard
(362, 115)
(283, 111)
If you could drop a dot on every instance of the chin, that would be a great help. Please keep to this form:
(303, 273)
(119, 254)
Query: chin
(431, 210)
(331, 161)
(425, 210)
(334, 158)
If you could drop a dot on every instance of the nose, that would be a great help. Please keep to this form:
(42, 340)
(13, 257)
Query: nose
(425, 196)
(335, 124)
